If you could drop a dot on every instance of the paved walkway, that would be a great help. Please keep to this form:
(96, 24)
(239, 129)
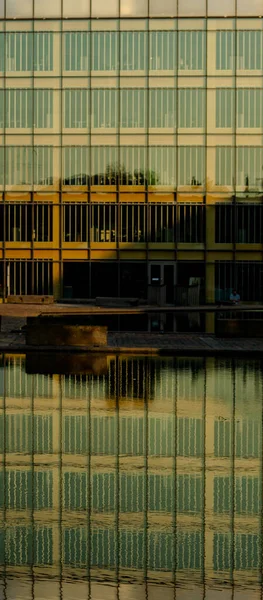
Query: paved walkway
(12, 337)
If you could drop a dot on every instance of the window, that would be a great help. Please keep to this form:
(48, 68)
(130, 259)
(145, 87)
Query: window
(104, 51)
(191, 223)
(132, 492)
(19, 492)
(191, 108)
(191, 165)
(43, 165)
(103, 222)
(224, 166)
(43, 222)
(103, 435)
(192, 50)
(161, 433)
(22, 162)
(163, 53)
(103, 492)
(19, 542)
(133, 165)
(19, 108)
(75, 546)
(249, 162)
(76, 109)
(249, 108)
(132, 435)
(249, 223)
(160, 493)
(162, 166)
(30, 278)
(225, 51)
(133, 108)
(75, 165)
(75, 222)
(19, 219)
(224, 223)
(105, 167)
(225, 107)
(19, 52)
(162, 222)
(247, 433)
(104, 109)
(133, 53)
(75, 434)
(249, 50)
(162, 108)
(189, 437)
(132, 222)
(43, 109)
(189, 493)
(76, 44)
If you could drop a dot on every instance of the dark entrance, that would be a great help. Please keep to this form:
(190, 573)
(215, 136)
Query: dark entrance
(76, 280)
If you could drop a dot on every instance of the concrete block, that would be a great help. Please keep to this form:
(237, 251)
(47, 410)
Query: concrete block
(30, 299)
(49, 331)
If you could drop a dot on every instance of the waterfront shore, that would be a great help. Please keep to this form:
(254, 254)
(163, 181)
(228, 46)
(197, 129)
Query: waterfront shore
(12, 338)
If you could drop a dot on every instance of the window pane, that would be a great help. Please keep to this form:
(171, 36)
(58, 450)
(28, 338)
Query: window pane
(75, 108)
(2, 8)
(221, 9)
(192, 7)
(75, 165)
(225, 51)
(134, 8)
(100, 8)
(163, 51)
(191, 108)
(250, 7)
(104, 51)
(104, 109)
(133, 51)
(191, 166)
(49, 8)
(133, 108)
(162, 108)
(76, 8)
(75, 47)
(162, 9)
(249, 50)
(16, 8)
(192, 50)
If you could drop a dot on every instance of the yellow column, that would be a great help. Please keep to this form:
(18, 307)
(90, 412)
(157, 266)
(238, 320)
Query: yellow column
(210, 267)
(57, 283)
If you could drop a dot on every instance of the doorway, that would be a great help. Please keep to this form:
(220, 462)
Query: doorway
(163, 274)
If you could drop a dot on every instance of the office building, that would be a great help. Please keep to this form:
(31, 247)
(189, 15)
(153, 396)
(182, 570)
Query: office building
(131, 147)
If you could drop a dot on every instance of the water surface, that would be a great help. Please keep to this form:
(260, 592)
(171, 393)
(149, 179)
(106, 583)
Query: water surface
(130, 478)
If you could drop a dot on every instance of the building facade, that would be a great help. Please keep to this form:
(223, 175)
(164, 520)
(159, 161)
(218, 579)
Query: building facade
(131, 147)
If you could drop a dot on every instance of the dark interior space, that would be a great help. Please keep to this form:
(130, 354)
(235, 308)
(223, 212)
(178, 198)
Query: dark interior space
(133, 280)
(104, 279)
(76, 279)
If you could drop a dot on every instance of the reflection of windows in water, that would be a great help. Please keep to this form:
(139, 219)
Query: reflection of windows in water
(24, 490)
(245, 547)
(245, 494)
(247, 438)
(21, 541)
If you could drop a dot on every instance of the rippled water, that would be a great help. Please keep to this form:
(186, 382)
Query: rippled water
(130, 478)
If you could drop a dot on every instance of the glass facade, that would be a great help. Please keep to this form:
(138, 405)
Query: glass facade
(131, 134)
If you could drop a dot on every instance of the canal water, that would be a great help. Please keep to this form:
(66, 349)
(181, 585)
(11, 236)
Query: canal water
(130, 478)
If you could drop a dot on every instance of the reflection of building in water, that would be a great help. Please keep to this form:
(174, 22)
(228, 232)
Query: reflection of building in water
(153, 470)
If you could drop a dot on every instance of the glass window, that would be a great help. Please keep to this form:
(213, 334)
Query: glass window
(104, 51)
(162, 166)
(249, 108)
(133, 51)
(224, 223)
(76, 44)
(224, 166)
(223, 8)
(162, 108)
(18, 165)
(18, 9)
(19, 108)
(133, 165)
(193, 8)
(191, 165)
(43, 51)
(103, 222)
(250, 7)
(162, 222)
(43, 222)
(132, 223)
(249, 168)
(225, 106)
(47, 9)
(43, 165)
(76, 8)
(75, 222)
(19, 51)
(100, 8)
(133, 108)
(104, 109)
(191, 108)
(249, 223)
(105, 166)
(75, 165)
(75, 108)
(2, 51)
(249, 50)
(191, 219)
(134, 8)
(43, 109)
(225, 51)
(163, 51)
(192, 50)
(166, 8)
(2, 8)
